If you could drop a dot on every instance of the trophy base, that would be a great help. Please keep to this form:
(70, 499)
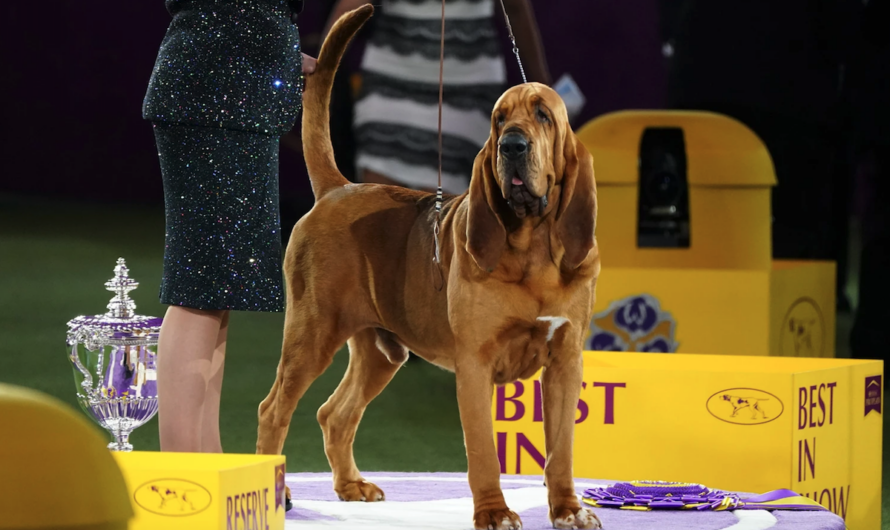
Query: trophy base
(120, 416)
(124, 447)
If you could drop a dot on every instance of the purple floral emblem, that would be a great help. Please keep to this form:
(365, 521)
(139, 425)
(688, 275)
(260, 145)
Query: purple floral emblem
(638, 315)
(606, 341)
(636, 323)
(657, 345)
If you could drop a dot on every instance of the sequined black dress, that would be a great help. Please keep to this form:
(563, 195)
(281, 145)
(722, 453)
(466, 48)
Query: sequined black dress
(226, 84)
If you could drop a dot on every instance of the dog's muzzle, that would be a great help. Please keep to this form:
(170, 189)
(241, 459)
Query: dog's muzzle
(513, 148)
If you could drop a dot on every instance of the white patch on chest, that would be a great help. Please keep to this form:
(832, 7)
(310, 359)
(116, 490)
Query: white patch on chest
(555, 324)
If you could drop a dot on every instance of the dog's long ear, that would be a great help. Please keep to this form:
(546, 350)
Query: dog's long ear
(486, 235)
(576, 216)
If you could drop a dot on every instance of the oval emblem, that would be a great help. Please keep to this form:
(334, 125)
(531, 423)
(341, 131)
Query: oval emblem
(745, 406)
(172, 497)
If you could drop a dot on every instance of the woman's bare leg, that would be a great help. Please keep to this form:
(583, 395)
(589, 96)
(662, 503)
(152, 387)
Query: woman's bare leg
(186, 346)
(210, 440)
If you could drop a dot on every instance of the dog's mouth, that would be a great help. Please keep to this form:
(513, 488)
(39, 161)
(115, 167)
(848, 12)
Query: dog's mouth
(523, 202)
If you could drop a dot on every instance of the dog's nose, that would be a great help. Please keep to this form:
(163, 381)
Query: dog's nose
(513, 146)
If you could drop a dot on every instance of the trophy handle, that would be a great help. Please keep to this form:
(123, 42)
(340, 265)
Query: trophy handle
(87, 382)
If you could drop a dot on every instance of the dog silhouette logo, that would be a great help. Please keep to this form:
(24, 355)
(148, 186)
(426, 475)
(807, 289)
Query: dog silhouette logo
(172, 497)
(739, 403)
(181, 497)
(636, 323)
(803, 330)
(745, 406)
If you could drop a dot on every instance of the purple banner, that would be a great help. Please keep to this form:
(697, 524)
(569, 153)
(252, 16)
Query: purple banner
(873, 394)
(279, 487)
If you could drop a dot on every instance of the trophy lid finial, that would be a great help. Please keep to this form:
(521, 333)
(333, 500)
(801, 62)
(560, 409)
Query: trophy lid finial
(121, 305)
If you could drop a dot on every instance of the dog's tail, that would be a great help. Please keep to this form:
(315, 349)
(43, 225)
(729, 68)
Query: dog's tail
(317, 148)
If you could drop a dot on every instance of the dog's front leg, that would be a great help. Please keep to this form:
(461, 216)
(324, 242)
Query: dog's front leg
(561, 388)
(474, 389)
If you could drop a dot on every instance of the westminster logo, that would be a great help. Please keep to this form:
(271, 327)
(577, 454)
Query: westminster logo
(636, 324)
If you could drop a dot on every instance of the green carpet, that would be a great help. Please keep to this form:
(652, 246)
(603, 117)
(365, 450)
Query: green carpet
(55, 258)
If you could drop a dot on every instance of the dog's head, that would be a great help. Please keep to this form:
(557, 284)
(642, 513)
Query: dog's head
(532, 166)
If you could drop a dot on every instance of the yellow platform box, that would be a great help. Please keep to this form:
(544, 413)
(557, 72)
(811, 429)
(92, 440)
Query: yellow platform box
(207, 491)
(730, 422)
(697, 275)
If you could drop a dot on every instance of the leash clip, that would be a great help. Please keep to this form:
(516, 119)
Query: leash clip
(518, 60)
(436, 255)
(436, 236)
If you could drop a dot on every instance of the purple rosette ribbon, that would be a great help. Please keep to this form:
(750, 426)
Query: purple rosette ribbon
(658, 495)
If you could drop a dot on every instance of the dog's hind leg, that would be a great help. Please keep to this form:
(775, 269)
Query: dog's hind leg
(308, 348)
(368, 374)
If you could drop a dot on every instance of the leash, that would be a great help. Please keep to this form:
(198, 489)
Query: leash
(513, 40)
(439, 199)
(437, 256)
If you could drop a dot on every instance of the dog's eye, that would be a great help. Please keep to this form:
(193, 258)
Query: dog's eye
(500, 120)
(542, 116)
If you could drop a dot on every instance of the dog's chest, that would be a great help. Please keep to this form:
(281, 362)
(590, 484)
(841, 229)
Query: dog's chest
(533, 274)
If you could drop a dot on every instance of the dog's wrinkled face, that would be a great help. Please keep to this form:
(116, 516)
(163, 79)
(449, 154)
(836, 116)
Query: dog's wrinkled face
(532, 166)
(527, 122)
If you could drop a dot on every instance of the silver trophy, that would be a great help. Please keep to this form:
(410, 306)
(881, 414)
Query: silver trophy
(114, 357)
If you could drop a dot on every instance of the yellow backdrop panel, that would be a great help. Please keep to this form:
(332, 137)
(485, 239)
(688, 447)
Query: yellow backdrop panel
(784, 311)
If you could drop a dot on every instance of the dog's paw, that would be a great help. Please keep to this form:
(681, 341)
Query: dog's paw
(288, 504)
(504, 519)
(572, 518)
(361, 490)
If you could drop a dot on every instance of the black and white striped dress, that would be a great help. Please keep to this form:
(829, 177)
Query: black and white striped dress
(396, 116)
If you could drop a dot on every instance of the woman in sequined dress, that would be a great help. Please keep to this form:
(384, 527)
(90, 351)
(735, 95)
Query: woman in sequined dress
(226, 85)
(396, 114)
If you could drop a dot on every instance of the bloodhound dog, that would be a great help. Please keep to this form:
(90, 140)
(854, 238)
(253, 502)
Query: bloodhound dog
(512, 293)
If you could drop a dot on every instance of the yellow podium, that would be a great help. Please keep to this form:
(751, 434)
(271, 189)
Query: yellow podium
(746, 424)
(207, 491)
(714, 287)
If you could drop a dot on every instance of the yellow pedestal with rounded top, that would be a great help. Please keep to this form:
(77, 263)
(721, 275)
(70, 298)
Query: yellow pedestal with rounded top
(723, 294)
(55, 469)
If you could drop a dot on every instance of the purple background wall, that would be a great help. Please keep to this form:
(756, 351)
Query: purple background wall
(74, 75)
